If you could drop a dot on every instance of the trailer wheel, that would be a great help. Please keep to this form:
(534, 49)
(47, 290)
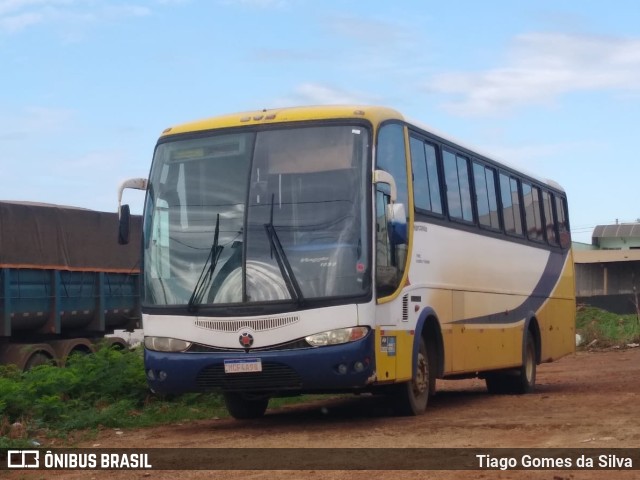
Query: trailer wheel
(243, 406)
(411, 398)
(37, 359)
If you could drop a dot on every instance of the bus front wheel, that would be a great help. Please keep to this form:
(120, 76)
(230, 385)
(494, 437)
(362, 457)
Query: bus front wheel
(243, 406)
(411, 398)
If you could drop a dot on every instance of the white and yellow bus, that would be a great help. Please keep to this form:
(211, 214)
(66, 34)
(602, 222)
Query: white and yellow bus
(346, 249)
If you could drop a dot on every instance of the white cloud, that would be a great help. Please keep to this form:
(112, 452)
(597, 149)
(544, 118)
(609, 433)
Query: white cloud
(540, 67)
(18, 15)
(321, 94)
(260, 4)
(15, 23)
(529, 156)
(286, 55)
(35, 122)
(372, 31)
(13, 6)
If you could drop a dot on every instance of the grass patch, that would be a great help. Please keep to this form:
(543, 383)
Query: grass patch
(606, 329)
(105, 389)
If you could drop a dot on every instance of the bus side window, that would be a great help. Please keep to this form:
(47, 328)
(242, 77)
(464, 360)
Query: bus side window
(456, 176)
(550, 223)
(426, 182)
(510, 205)
(563, 222)
(486, 201)
(533, 218)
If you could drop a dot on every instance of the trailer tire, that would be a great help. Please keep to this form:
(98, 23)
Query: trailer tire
(37, 359)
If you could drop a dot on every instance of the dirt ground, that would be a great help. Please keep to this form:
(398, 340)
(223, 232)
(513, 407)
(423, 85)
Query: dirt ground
(587, 400)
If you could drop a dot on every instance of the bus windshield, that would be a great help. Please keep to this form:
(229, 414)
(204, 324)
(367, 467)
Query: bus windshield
(251, 216)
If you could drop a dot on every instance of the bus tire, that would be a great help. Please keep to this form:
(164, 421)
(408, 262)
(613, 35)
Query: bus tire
(411, 398)
(497, 383)
(433, 373)
(525, 381)
(243, 406)
(520, 381)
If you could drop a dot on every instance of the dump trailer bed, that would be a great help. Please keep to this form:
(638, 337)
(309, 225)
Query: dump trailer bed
(65, 281)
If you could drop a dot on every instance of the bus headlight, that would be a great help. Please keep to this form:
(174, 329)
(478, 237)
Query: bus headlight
(336, 337)
(163, 344)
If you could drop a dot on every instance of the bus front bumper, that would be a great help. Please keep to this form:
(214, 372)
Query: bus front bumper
(349, 366)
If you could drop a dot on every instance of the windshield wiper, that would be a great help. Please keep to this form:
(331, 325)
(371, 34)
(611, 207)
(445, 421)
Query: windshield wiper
(204, 282)
(283, 262)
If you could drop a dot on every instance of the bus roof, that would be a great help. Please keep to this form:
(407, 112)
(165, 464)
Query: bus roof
(284, 115)
(374, 114)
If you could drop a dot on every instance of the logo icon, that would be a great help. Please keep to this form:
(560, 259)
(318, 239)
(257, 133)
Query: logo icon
(23, 459)
(246, 340)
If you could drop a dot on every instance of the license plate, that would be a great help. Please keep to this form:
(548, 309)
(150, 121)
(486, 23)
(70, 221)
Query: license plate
(243, 366)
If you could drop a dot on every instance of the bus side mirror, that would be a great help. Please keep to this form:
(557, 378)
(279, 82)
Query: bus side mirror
(124, 215)
(397, 224)
(380, 176)
(124, 225)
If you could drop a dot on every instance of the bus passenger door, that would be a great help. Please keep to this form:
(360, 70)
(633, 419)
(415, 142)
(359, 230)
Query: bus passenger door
(391, 228)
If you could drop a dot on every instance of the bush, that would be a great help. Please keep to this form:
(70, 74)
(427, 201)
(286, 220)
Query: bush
(607, 328)
(105, 389)
(50, 396)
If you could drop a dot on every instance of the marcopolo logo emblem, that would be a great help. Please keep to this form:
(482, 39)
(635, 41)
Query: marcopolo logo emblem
(246, 340)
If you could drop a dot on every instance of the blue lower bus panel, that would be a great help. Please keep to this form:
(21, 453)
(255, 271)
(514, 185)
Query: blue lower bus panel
(345, 367)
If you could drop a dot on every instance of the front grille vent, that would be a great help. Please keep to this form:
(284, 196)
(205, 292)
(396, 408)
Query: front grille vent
(257, 325)
(274, 377)
(293, 345)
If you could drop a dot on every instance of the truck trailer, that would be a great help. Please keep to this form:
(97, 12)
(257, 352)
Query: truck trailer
(65, 282)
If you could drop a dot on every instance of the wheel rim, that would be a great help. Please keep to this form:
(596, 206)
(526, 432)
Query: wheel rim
(529, 367)
(421, 380)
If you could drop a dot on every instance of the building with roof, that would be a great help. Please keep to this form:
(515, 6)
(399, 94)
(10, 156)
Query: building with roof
(608, 273)
(623, 236)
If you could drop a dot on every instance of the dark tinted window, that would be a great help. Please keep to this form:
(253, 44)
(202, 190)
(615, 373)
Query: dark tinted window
(426, 183)
(510, 204)
(563, 222)
(486, 200)
(533, 217)
(456, 174)
(391, 158)
(550, 224)
(390, 256)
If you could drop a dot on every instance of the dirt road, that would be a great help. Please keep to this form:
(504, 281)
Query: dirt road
(587, 400)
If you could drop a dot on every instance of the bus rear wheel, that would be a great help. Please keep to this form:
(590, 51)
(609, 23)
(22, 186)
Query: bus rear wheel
(520, 381)
(411, 398)
(243, 406)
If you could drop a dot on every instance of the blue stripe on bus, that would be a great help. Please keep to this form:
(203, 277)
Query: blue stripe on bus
(540, 294)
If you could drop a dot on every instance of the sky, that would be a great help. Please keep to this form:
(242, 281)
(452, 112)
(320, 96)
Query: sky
(551, 86)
